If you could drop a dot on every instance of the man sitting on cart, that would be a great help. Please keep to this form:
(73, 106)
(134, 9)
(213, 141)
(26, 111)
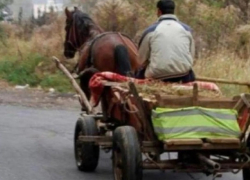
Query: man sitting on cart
(166, 48)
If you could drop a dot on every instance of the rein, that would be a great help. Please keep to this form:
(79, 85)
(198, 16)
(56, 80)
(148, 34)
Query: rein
(72, 31)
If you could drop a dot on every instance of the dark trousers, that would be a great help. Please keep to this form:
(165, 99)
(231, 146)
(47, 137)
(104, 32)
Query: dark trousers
(190, 77)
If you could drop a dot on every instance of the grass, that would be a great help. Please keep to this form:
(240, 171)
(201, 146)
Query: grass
(23, 72)
(24, 55)
(36, 70)
(20, 72)
(58, 81)
(27, 61)
(225, 65)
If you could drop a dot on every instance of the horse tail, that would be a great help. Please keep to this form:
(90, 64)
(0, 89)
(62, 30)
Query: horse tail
(122, 60)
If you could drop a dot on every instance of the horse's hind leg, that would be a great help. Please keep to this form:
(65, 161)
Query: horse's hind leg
(122, 60)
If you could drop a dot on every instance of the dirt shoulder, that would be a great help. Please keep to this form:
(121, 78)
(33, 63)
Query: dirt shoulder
(35, 97)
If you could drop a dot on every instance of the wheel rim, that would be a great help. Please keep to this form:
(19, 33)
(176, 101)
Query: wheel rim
(117, 164)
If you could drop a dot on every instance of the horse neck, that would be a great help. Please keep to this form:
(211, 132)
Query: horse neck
(95, 32)
(92, 34)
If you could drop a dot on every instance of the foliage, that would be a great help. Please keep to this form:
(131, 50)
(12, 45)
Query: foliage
(20, 72)
(3, 4)
(243, 6)
(24, 72)
(26, 58)
(214, 3)
(85, 5)
(221, 36)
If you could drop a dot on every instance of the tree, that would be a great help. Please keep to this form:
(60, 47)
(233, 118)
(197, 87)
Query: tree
(4, 4)
(86, 5)
(244, 7)
(20, 16)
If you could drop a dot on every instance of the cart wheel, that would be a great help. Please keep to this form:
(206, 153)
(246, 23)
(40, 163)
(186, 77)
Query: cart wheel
(246, 171)
(127, 158)
(87, 153)
(246, 174)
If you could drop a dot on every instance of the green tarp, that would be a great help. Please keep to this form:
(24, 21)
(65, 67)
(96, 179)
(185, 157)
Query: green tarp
(195, 122)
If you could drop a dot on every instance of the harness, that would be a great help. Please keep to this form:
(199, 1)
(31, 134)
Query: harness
(90, 59)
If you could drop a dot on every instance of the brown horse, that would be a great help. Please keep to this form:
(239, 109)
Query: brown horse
(104, 51)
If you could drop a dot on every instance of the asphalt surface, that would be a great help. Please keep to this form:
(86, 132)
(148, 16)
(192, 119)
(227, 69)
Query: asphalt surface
(37, 144)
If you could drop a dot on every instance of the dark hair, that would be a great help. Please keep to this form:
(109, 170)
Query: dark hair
(166, 6)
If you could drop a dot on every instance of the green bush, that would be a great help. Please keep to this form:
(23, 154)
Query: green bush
(20, 72)
(24, 72)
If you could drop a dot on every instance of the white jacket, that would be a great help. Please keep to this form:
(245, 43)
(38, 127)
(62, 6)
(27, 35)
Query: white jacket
(167, 47)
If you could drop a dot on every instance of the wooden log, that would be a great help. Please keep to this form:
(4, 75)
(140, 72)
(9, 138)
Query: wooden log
(224, 81)
(83, 98)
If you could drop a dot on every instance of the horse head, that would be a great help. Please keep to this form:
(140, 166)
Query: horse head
(79, 29)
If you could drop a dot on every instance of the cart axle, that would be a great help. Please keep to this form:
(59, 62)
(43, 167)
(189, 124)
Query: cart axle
(177, 167)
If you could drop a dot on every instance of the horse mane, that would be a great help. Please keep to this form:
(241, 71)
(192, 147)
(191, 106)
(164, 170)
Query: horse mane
(85, 24)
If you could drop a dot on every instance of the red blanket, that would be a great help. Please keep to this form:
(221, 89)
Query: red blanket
(96, 84)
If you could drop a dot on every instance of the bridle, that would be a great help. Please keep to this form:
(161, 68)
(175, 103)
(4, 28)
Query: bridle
(73, 33)
(72, 36)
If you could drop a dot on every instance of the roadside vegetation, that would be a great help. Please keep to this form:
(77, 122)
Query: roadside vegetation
(220, 27)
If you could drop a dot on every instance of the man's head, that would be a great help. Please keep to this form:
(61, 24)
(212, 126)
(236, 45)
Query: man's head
(165, 7)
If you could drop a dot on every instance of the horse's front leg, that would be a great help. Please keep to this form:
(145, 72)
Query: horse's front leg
(86, 91)
(84, 81)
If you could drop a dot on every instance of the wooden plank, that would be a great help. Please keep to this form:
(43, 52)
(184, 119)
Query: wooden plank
(151, 146)
(151, 143)
(170, 101)
(150, 101)
(178, 142)
(192, 167)
(95, 138)
(245, 112)
(105, 144)
(223, 140)
(148, 129)
(185, 101)
(238, 106)
(195, 94)
(204, 146)
(227, 104)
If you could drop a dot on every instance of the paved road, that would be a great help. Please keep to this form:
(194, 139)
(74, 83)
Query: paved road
(37, 144)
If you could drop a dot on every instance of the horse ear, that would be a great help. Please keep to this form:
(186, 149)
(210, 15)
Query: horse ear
(67, 12)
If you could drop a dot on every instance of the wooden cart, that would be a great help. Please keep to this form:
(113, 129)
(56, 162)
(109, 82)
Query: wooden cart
(125, 128)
